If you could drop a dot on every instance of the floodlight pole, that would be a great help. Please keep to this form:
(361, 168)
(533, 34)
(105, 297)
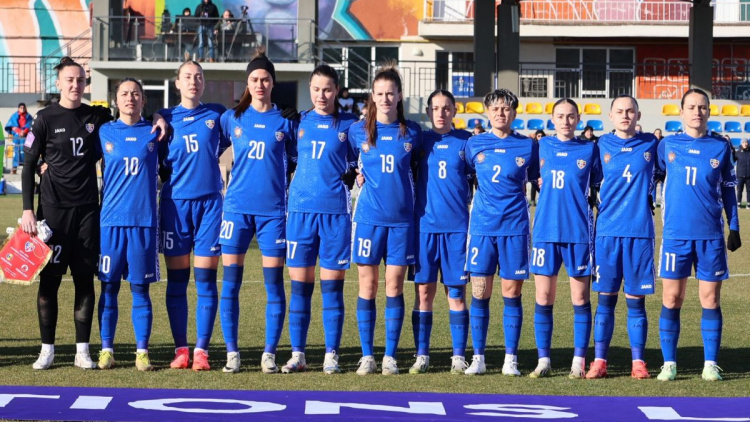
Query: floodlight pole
(701, 45)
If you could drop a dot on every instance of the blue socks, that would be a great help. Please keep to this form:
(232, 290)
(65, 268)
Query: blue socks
(141, 314)
(604, 325)
(230, 305)
(669, 332)
(480, 321)
(299, 314)
(333, 312)
(108, 313)
(459, 321)
(543, 324)
(394, 321)
(711, 325)
(581, 329)
(512, 322)
(177, 304)
(366, 316)
(273, 280)
(421, 324)
(206, 306)
(637, 326)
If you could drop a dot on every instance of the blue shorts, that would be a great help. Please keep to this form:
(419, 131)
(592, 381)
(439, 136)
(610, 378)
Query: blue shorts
(628, 257)
(441, 251)
(310, 234)
(546, 258)
(678, 257)
(237, 230)
(508, 253)
(371, 244)
(188, 223)
(129, 253)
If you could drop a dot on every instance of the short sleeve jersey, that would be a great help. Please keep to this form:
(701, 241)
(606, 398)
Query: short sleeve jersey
(627, 179)
(563, 214)
(696, 171)
(263, 144)
(194, 150)
(442, 184)
(323, 155)
(68, 141)
(503, 167)
(387, 197)
(131, 161)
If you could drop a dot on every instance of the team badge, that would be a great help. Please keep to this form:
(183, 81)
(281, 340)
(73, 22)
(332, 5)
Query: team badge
(366, 147)
(210, 124)
(647, 156)
(109, 147)
(671, 156)
(237, 131)
(581, 164)
(462, 154)
(28, 247)
(279, 136)
(90, 127)
(480, 158)
(9, 257)
(608, 157)
(301, 133)
(714, 163)
(541, 163)
(150, 146)
(342, 136)
(29, 140)
(520, 161)
(407, 146)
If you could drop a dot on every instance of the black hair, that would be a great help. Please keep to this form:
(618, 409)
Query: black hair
(117, 88)
(539, 132)
(694, 91)
(66, 62)
(504, 95)
(444, 93)
(326, 71)
(247, 97)
(22, 104)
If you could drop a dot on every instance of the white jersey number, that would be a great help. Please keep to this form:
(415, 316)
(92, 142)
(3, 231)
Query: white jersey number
(318, 149)
(558, 179)
(257, 150)
(131, 166)
(77, 145)
(691, 181)
(191, 143)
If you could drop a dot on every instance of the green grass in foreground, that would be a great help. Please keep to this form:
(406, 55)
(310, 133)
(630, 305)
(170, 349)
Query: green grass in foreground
(19, 344)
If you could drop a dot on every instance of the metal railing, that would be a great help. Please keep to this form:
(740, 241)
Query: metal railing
(19, 78)
(78, 48)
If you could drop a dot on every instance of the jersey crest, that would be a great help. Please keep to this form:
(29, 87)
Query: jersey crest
(366, 147)
(237, 131)
(520, 161)
(541, 162)
(342, 136)
(480, 158)
(647, 156)
(461, 154)
(90, 127)
(279, 136)
(671, 156)
(109, 147)
(407, 146)
(608, 157)
(210, 124)
(581, 164)
(150, 146)
(714, 163)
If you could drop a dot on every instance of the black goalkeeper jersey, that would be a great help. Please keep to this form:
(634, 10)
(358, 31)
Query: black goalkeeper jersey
(68, 141)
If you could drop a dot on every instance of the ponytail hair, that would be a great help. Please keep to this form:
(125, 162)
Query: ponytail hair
(247, 97)
(388, 72)
(565, 101)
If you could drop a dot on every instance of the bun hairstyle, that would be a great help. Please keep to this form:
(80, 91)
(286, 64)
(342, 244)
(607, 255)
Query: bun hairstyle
(66, 62)
(259, 61)
(388, 72)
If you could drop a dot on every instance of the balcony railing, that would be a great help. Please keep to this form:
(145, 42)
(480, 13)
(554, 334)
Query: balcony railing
(19, 78)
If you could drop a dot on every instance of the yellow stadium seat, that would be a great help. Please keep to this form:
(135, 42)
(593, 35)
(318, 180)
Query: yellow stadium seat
(730, 110)
(519, 109)
(102, 103)
(534, 108)
(548, 108)
(474, 107)
(459, 107)
(714, 109)
(745, 110)
(459, 123)
(592, 108)
(670, 110)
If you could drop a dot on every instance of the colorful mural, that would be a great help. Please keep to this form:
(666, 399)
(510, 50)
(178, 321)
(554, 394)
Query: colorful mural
(381, 20)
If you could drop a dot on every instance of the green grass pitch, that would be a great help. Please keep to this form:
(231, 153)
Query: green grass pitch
(19, 343)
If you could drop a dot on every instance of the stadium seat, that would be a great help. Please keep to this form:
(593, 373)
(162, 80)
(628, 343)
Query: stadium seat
(534, 108)
(580, 126)
(730, 110)
(714, 126)
(473, 122)
(550, 125)
(459, 107)
(459, 123)
(714, 109)
(519, 109)
(733, 127)
(474, 107)
(596, 124)
(736, 142)
(745, 110)
(548, 108)
(747, 127)
(536, 124)
(518, 124)
(670, 110)
(673, 126)
(592, 108)
(102, 103)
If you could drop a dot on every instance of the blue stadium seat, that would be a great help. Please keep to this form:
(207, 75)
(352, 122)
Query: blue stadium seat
(580, 126)
(596, 124)
(536, 124)
(736, 142)
(733, 127)
(747, 127)
(715, 126)
(518, 124)
(550, 125)
(673, 126)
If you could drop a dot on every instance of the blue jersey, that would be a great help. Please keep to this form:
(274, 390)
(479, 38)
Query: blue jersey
(387, 197)
(627, 180)
(442, 184)
(323, 155)
(503, 166)
(131, 163)
(194, 149)
(563, 214)
(696, 171)
(263, 144)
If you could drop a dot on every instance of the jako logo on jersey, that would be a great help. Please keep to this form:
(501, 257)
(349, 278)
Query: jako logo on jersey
(210, 124)
(441, 146)
(279, 136)
(343, 261)
(322, 126)
(407, 146)
(90, 127)
(280, 241)
(342, 136)
(150, 275)
(409, 256)
(365, 147)
(215, 248)
(694, 151)
(386, 138)
(719, 272)
(500, 150)
(28, 247)
(480, 158)
(582, 267)
(581, 164)
(188, 119)
(150, 146)
(607, 157)
(259, 126)
(109, 147)
(520, 272)
(671, 156)
(647, 286)
(131, 139)
(714, 163)
(520, 161)
(61, 130)
(647, 156)
(237, 131)
(627, 149)
(562, 154)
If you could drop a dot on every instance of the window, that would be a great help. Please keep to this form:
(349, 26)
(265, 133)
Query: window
(593, 72)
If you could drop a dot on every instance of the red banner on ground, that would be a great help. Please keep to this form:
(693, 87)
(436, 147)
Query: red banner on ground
(22, 257)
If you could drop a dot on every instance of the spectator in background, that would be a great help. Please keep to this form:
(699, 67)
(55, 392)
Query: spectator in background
(208, 14)
(657, 133)
(18, 127)
(186, 24)
(588, 134)
(226, 23)
(345, 101)
(478, 128)
(743, 171)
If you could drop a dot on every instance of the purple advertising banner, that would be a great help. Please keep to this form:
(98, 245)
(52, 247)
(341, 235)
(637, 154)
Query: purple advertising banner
(124, 404)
